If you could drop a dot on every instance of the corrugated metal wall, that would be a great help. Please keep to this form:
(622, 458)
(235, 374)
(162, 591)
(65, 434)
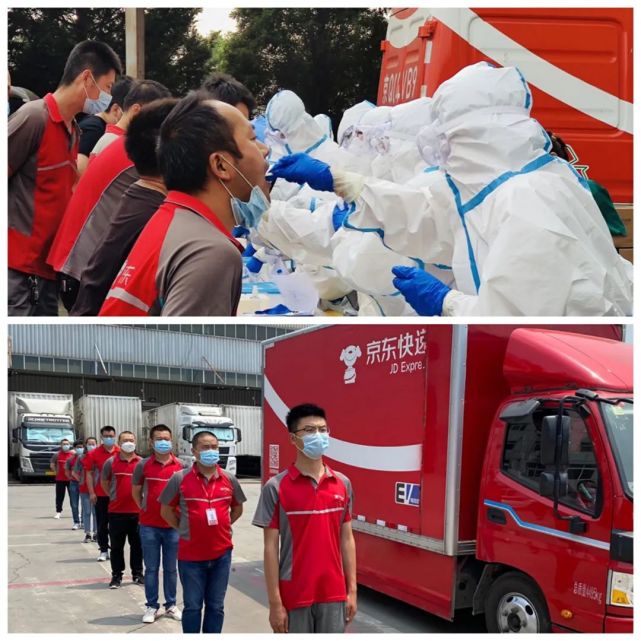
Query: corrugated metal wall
(137, 345)
(151, 392)
(123, 412)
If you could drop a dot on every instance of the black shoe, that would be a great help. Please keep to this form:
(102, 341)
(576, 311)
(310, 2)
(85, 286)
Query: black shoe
(115, 583)
(87, 538)
(94, 539)
(139, 579)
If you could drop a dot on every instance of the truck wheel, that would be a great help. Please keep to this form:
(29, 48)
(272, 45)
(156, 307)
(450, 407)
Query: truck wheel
(514, 603)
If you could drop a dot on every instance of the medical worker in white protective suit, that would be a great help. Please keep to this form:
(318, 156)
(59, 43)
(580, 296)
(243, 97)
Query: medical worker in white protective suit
(520, 227)
(359, 257)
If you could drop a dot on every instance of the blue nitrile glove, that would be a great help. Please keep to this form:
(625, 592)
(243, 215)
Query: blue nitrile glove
(420, 289)
(250, 250)
(302, 168)
(275, 311)
(338, 216)
(240, 232)
(254, 265)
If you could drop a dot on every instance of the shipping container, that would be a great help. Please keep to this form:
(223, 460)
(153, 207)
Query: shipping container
(248, 451)
(121, 412)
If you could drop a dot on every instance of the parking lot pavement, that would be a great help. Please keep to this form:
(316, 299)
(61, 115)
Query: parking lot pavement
(56, 584)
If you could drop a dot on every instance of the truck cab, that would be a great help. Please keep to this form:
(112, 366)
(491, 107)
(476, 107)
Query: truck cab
(222, 426)
(555, 507)
(36, 440)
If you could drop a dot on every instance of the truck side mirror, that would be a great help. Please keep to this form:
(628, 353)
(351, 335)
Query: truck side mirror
(549, 442)
(186, 434)
(14, 434)
(546, 484)
(239, 436)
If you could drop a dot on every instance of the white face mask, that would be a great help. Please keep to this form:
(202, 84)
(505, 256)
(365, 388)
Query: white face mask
(97, 105)
(128, 447)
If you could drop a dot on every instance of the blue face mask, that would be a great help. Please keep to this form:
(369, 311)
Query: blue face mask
(315, 445)
(162, 446)
(66, 448)
(109, 440)
(248, 214)
(98, 105)
(80, 450)
(209, 458)
(90, 447)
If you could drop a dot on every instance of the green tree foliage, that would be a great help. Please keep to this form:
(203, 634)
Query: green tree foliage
(330, 57)
(41, 39)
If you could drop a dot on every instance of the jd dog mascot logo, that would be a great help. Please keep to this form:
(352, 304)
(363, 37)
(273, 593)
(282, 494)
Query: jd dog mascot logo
(349, 356)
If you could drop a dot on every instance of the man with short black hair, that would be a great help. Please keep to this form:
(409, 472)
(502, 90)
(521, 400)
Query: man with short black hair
(210, 500)
(308, 507)
(57, 464)
(42, 152)
(97, 195)
(93, 127)
(137, 206)
(116, 481)
(223, 87)
(74, 486)
(186, 261)
(150, 479)
(93, 463)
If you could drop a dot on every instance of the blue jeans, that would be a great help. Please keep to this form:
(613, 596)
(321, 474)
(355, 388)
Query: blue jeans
(74, 496)
(153, 540)
(88, 514)
(204, 582)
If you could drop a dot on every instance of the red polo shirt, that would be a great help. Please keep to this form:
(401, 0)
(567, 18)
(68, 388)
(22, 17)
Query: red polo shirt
(311, 567)
(42, 156)
(194, 495)
(59, 459)
(153, 476)
(87, 216)
(71, 461)
(184, 263)
(93, 463)
(118, 473)
(80, 471)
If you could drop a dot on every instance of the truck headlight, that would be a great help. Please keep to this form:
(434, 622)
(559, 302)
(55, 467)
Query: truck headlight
(25, 464)
(621, 589)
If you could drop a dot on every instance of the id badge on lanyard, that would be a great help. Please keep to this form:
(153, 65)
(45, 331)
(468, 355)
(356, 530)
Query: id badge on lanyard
(210, 512)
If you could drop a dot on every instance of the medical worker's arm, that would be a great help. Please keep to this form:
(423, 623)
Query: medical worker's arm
(414, 221)
(299, 234)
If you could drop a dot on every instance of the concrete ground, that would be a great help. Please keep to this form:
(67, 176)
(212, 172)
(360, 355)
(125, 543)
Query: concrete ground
(56, 584)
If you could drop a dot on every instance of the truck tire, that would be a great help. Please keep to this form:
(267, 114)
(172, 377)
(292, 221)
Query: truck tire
(514, 603)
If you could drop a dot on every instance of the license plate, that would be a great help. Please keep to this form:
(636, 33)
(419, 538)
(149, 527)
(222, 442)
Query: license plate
(50, 473)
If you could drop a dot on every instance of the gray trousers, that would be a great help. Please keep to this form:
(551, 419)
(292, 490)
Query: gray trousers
(24, 289)
(325, 618)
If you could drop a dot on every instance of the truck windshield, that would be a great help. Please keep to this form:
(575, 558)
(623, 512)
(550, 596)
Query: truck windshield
(618, 421)
(223, 433)
(48, 434)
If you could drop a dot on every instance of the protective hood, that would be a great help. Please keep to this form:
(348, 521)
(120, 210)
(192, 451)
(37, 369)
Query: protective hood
(286, 114)
(325, 122)
(481, 126)
(352, 116)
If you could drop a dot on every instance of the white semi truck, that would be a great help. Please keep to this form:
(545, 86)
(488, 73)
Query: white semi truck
(94, 411)
(37, 424)
(186, 420)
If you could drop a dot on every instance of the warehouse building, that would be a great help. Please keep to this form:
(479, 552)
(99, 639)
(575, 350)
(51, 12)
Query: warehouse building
(217, 364)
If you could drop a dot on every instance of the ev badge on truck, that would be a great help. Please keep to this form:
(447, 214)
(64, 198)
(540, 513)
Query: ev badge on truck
(408, 494)
(349, 356)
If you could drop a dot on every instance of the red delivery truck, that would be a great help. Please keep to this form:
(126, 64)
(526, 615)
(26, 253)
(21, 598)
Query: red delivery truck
(491, 464)
(578, 63)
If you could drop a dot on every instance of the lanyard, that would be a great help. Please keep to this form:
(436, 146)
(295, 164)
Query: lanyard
(206, 492)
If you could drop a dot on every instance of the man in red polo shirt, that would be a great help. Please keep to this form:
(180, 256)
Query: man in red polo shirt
(185, 261)
(116, 477)
(308, 507)
(42, 151)
(93, 464)
(210, 499)
(97, 195)
(149, 480)
(88, 509)
(57, 464)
